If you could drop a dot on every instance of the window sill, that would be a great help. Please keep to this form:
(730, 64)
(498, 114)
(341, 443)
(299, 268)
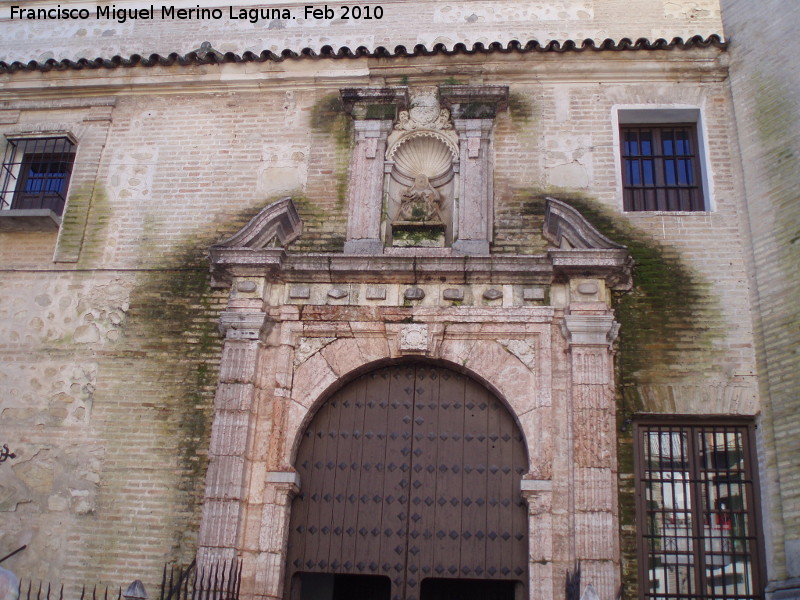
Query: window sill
(29, 219)
(669, 213)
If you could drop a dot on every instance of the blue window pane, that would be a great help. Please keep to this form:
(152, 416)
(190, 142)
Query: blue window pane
(685, 172)
(667, 145)
(648, 172)
(631, 145)
(647, 144)
(669, 172)
(632, 167)
(682, 143)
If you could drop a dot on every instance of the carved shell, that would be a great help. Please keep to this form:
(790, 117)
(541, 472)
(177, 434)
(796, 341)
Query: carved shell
(423, 154)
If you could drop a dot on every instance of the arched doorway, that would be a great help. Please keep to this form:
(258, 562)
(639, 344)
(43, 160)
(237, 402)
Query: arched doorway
(410, 490)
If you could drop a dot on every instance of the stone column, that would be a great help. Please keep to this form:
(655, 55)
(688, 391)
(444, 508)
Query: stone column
(590, 330)
(365, 191)
(234, 412)
(279, 489)
(476, 199)
(539, 495)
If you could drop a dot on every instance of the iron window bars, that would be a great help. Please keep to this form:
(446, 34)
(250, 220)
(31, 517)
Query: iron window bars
(661, 168)
(697, 512)
(35, 173)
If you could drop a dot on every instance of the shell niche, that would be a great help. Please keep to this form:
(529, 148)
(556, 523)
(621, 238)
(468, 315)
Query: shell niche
(422, 154)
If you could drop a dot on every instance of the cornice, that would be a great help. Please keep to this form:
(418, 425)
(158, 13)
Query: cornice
(701, 65)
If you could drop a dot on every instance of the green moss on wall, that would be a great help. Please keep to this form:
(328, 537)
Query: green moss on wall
(669, 323)
(172, 335)
(520, 108)
(328, 116)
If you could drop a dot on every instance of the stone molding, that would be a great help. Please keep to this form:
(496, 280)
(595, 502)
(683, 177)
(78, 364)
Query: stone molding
(237, 325)
(288, 478)
(275, 225)
(354, 98)
(564, 224)
(461, 99)
(589, 330)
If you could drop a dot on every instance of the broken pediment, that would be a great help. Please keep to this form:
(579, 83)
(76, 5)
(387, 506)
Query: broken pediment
(582, 251)
(276, 225)
(260, 244)
(567, 228)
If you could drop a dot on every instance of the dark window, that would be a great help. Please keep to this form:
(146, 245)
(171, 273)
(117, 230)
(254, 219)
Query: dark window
(660, 168)
(35, 173)
(697, 513)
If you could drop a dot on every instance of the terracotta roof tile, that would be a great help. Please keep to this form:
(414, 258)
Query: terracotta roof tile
(207, 55)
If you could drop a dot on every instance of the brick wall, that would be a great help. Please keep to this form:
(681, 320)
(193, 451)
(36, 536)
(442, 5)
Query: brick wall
(766, 94)
(179, 171)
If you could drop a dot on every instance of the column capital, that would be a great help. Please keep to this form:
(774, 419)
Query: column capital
(590, 329)
(239, 325)
(287, 482)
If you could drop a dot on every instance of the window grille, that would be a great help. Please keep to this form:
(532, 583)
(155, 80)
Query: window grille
(697, 512)
(35, 173)
(660, 168)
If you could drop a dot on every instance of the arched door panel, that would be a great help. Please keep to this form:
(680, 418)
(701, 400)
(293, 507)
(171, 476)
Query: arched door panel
(411, 472)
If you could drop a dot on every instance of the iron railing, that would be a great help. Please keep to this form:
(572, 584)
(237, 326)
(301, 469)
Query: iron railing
(215, 582)
(218, 582)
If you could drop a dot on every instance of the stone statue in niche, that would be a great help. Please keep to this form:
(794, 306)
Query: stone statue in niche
(420, 202)
(421, 160)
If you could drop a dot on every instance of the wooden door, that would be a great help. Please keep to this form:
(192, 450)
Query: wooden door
(410, 472)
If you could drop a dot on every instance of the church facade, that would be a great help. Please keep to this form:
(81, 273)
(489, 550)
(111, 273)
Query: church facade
(414, 300)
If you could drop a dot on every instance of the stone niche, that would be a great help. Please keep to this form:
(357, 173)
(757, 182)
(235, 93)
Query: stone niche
(421, 170)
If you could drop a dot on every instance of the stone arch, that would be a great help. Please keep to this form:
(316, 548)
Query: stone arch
(410, 470)
(488, 363)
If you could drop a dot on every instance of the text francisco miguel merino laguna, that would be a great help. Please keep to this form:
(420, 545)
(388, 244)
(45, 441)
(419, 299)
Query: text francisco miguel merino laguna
(254, 15)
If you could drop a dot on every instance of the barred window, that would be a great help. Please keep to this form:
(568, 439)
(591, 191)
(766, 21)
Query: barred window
(661, 168)
(697, 512)
(35, 173)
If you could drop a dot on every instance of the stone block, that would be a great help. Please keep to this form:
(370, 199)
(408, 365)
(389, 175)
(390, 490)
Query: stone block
(311, 379)
(220, 523)
(595, 536)
(229, 433)
(234, 396)
(453, 294)
(238, 362)
(225, 478)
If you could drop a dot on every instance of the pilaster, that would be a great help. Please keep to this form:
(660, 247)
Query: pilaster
(366, 187)
(590, 329)
(538, 493)
(235, 412)
(476, 201)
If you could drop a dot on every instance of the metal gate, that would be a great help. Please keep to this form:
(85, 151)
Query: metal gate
(410, 472)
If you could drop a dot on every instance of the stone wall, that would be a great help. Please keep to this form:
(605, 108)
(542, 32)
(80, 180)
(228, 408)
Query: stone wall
(766, 96)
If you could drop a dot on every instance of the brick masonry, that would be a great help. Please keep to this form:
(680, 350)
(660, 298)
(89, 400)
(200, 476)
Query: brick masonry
(765, 91)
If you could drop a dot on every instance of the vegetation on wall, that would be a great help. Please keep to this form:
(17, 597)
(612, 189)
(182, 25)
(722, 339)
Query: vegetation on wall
(669, 323)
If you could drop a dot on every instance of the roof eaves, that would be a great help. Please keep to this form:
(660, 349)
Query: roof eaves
(207, 56)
